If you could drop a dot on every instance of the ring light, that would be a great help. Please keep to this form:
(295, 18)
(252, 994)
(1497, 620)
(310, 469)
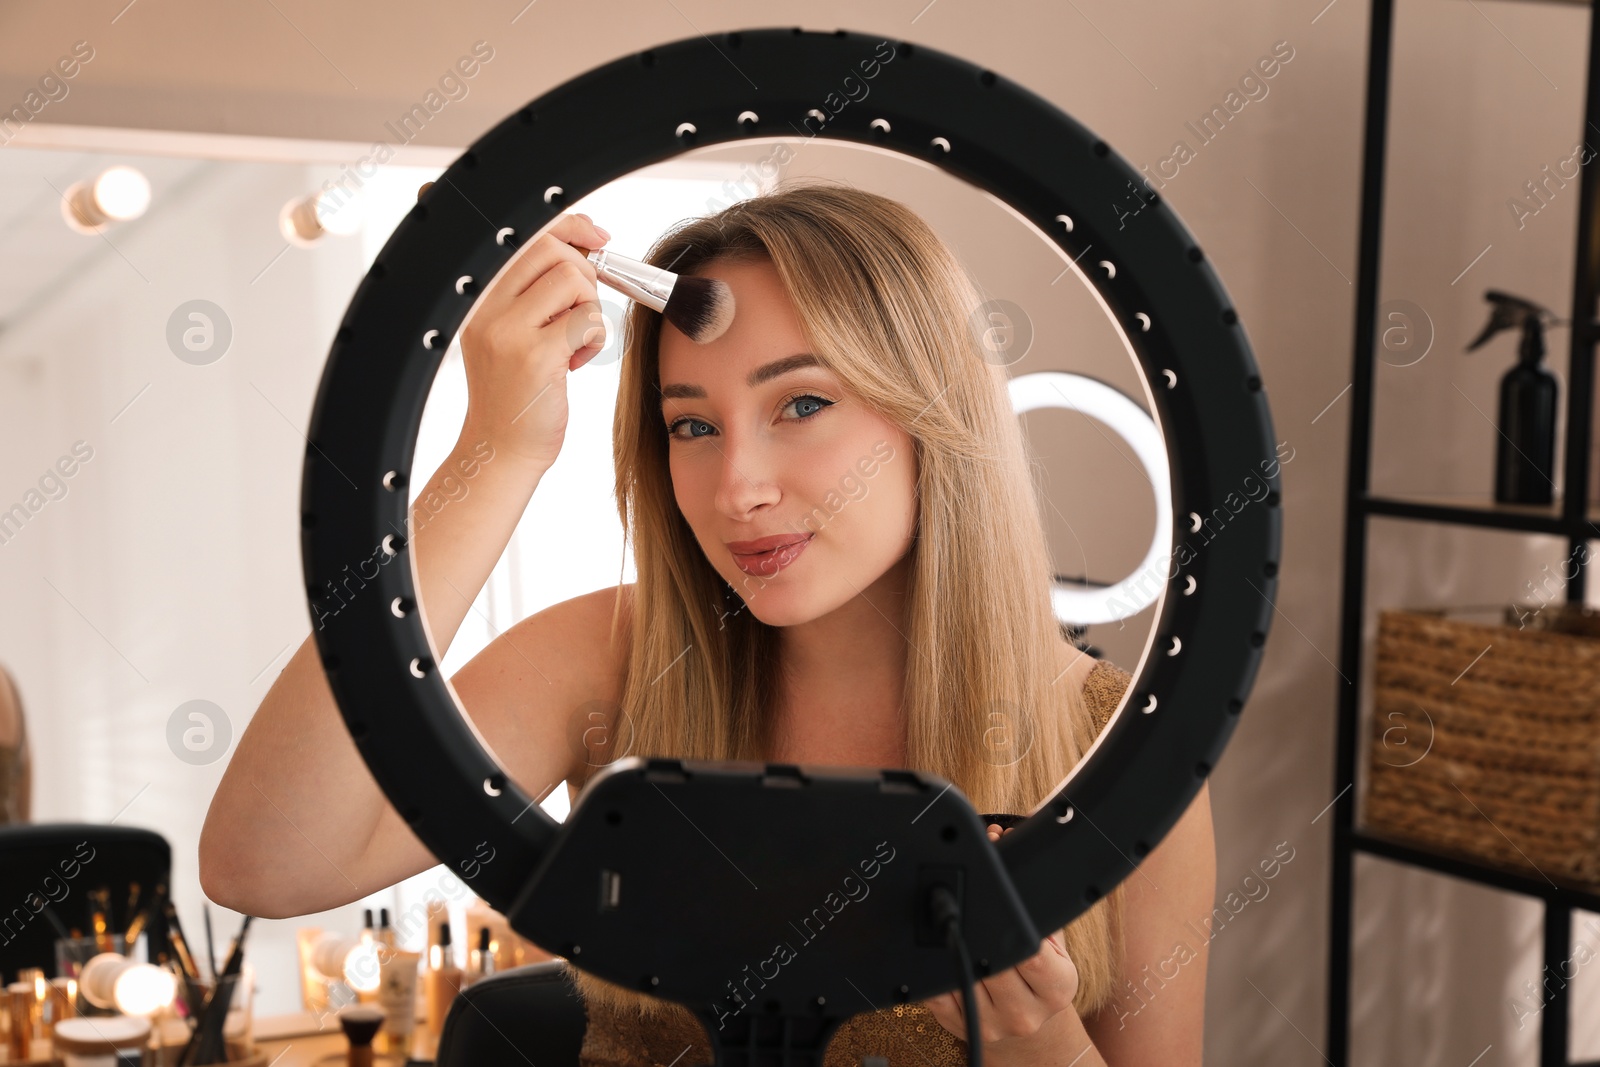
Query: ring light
(1055, 389)
(600, 888)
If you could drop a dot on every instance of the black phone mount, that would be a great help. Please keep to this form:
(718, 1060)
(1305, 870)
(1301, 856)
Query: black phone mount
(1204, 388)
(775, 900)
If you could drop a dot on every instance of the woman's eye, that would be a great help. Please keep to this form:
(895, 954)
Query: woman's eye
(672, 430)
(806, 405)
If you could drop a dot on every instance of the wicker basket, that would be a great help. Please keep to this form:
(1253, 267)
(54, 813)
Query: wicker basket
(1485, 739)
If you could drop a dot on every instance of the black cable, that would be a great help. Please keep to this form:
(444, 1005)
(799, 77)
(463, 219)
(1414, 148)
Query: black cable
(947, 917)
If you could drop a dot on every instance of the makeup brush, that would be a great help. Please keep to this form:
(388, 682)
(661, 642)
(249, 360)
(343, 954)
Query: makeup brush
(180, 944)
(194, 995)
(137, 924)
(236, 950)
(701, 308)
(98, 902)
(211, 952)
(360, 1024)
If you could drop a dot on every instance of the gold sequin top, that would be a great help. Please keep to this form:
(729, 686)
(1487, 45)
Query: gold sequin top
(904, 1034)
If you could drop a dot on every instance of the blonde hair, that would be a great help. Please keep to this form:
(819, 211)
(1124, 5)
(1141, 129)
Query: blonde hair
(886, 306)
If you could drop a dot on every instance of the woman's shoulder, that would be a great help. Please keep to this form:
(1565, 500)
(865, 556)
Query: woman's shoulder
(592, 613)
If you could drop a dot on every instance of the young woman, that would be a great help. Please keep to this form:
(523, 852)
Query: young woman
(840, 561)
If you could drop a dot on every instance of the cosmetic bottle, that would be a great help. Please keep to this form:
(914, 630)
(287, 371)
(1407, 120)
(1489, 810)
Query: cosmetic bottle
(385, 931)
(480, 964)
(508, 949)
(1525, 447)
(442, 982)
(397, 996)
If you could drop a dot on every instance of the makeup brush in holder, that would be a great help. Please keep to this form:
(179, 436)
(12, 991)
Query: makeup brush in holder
(206, 1043)
(701, 308)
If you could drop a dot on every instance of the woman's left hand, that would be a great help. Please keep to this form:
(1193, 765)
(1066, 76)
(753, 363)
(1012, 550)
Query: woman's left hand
(1014, 1004)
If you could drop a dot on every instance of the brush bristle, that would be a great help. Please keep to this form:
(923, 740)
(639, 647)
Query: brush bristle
(360, 1023)
(701, 308)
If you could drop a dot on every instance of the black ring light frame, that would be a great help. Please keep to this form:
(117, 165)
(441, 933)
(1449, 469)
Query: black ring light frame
(749, 863)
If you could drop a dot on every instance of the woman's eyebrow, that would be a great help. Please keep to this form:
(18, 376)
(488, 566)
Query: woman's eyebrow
(765, 372)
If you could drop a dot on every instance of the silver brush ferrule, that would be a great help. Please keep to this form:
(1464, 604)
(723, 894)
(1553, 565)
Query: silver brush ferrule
(650, 286)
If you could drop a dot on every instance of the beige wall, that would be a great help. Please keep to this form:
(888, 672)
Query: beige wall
(1485, 94)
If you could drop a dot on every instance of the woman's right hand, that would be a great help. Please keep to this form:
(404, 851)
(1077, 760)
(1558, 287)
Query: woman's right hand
(538, 320)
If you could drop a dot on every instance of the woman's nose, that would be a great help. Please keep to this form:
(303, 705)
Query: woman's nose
(744, 482)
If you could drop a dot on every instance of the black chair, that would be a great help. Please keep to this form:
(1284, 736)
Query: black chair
(55, 865)
(531, 1014)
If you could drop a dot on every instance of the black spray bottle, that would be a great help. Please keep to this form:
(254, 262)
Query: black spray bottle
(1525, 450)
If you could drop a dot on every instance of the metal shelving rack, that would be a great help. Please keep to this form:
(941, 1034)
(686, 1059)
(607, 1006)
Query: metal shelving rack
(1572, 517)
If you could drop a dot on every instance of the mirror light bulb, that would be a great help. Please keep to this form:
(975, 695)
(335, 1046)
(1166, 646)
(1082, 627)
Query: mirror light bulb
(121, 193)
(330, 952)
(361, 967)
(338, 212)
(144, 989)
(306, 220)
(100, 975)
(116, 194)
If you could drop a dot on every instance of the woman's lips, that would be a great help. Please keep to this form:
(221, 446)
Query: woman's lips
(770, 562)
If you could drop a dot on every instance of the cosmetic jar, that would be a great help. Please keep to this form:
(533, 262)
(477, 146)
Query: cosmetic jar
(108, 1041)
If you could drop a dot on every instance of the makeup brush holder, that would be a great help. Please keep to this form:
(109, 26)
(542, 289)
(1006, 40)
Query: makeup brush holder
(73, 953)
(236, 990)
(225, 1018)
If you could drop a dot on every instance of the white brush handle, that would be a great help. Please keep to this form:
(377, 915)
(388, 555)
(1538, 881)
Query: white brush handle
(650, 286)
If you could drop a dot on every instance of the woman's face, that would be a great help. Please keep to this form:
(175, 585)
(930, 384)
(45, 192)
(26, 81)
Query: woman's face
(767, 447)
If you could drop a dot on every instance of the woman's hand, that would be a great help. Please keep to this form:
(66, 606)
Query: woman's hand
(539, 320)
(1014, 1005)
